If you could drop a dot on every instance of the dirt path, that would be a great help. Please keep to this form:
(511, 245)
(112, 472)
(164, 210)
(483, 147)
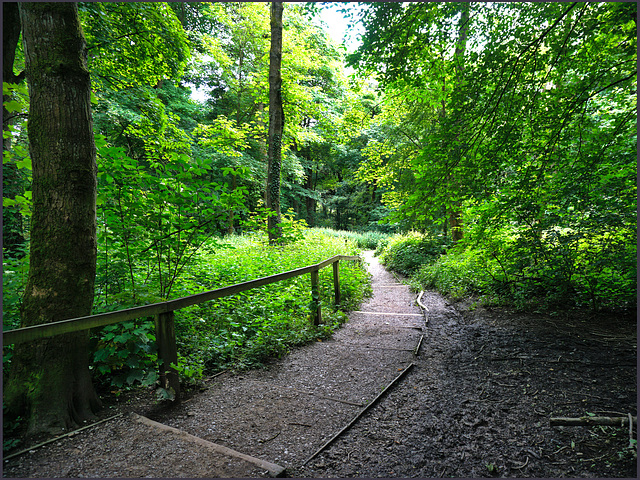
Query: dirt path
(476, 403)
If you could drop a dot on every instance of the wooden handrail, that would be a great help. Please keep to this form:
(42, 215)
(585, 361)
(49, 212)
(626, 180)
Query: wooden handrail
(35, 332)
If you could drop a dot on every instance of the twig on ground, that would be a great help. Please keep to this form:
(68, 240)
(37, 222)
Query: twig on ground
(586, 421)
(70, 434)
(559, 450)
(522, 466)
(355, 419)
(271, 438)
(417, 349)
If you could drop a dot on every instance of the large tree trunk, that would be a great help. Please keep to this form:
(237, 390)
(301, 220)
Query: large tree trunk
(50, 384)
(276, 123)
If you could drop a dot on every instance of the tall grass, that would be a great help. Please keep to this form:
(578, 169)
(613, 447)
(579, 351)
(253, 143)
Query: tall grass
(365, 240)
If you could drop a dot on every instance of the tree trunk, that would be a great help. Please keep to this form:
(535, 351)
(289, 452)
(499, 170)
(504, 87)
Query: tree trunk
(50, 384)
(455, 216)
(276, 123)
(310, 203)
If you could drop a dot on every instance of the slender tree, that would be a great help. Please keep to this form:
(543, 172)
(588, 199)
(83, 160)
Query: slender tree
(50, 383)
(276, 123)
(455, 213)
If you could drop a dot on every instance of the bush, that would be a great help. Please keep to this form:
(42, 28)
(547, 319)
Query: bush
(406, 253)
(558, 270)
(458, 274)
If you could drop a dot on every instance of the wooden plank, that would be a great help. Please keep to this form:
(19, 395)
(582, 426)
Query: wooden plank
(390, 314)
(585, 421)
(167, 353)
(316, 313)
(273, 469)
(35, 332)
(336, 283)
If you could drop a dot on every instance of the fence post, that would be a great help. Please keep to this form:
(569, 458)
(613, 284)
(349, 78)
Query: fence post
(167, 352)
(316, 313)
(336, 282)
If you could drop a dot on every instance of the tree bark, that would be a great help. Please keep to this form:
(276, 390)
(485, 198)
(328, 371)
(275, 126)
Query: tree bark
(310, 203)
(50, 383)
(276, 123)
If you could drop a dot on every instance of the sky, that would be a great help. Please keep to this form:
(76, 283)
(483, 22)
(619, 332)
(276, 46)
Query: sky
(337, 25)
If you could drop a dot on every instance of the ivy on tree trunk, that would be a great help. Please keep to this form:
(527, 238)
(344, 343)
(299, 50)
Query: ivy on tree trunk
(276, 124)
(50, 383)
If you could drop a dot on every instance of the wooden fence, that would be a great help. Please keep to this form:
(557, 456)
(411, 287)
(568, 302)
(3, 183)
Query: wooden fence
(164, 316)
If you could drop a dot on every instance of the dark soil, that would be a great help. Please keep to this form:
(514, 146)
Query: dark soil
(476, 403)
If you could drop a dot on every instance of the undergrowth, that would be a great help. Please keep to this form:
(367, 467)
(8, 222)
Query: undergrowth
(548, 273)
(239, 331)
(235, 332)
(370, 240)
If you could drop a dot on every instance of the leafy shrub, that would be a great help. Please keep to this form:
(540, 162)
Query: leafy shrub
(405, 253)
(124, 354)
(458, 274)
(14, 279)
(243, 330)
(292, 229)
(559, 269)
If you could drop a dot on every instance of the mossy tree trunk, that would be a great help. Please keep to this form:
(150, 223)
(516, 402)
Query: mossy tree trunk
(50, 384)
(276, 123)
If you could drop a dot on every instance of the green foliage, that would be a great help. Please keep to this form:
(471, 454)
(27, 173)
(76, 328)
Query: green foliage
(243, 330)
(568, 270)
(369, 240)
(153, 220)
(292, 229)
(405, 253)
(132, 44)
(518, 132)
(14, 279)
(124, 354)
(458, 274)
(9, 428)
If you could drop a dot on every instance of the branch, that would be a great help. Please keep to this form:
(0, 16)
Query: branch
(629, 77)
(164, 237)
(586, 421)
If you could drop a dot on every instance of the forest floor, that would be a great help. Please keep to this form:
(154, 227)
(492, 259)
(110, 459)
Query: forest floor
(476, 402)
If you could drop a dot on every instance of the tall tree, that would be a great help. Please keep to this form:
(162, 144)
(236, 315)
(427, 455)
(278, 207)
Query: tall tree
(50, 384)
(276, 123)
